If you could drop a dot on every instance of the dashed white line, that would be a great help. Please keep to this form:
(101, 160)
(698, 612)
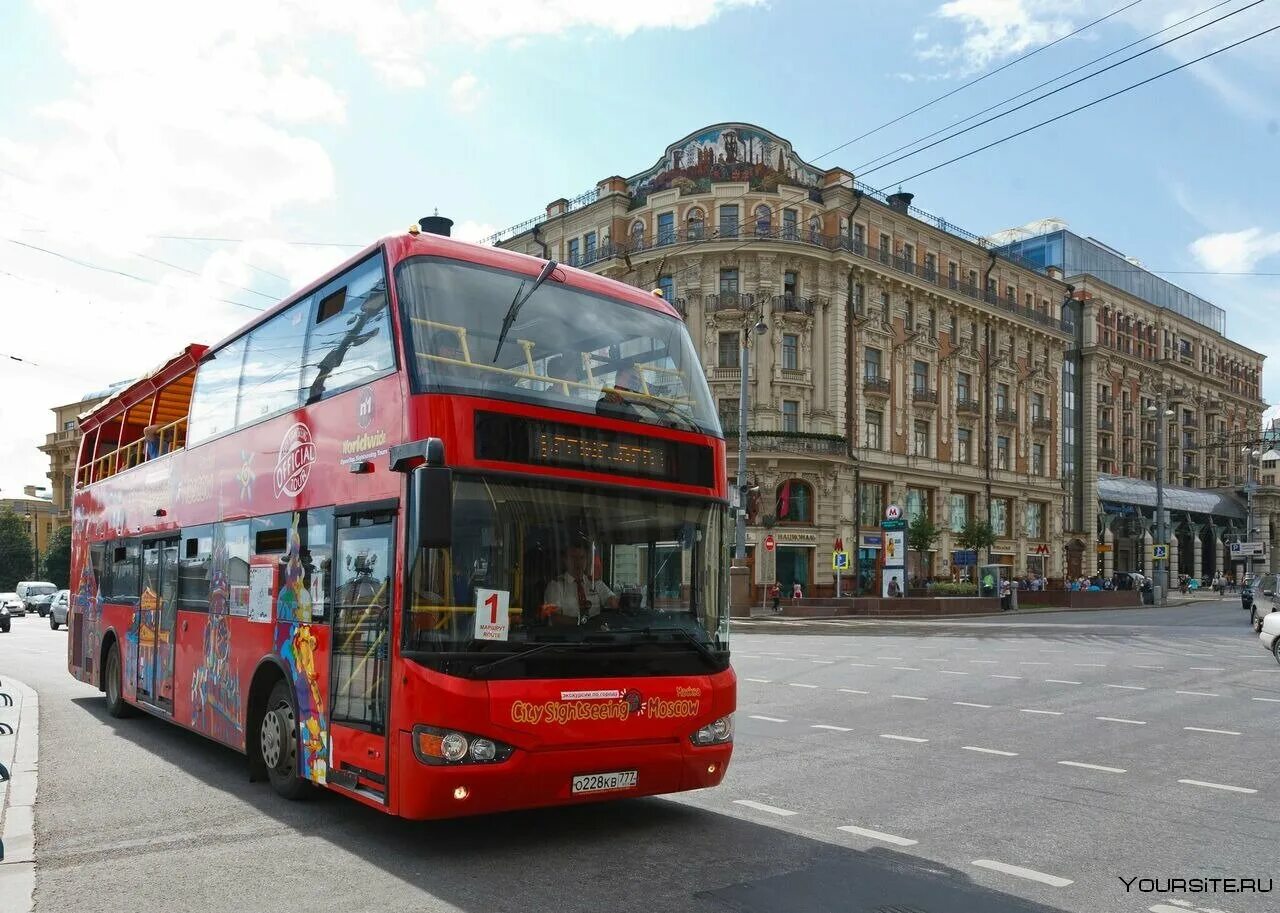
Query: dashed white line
(993, 675)
(891, 659)
(767, 719)
(1126, 687)
(1117, 719)
(985, 662)
(1200, 655)
(901, 738)
(1018, 871)
(1269, 700)
(1061, 681)
(939, 660)
(1207, 669)
(1032, 664)
(1045, 712)
(908, 697)
(760, 681)
(950, 672)
(801, 685)
(1093, 665)
(822, 662)
(1214, 731)
(784, 659)
(1005, 754)
(831, 728)
(1197, 693)
(1144, 653)
(1108, 770)
(878, 835)
(968, 704)
(907, 669)
(1223, 786)
(852, 691)
(1149, 667)
(865, 665)
(761, 807)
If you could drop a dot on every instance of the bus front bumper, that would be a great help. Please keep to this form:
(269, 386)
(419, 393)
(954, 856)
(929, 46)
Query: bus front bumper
(533, 779)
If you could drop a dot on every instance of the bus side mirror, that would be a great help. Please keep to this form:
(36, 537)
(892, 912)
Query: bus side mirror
(432, 488)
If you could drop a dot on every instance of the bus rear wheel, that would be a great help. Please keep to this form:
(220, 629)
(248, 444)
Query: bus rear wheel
(278, 743)
(113, 684)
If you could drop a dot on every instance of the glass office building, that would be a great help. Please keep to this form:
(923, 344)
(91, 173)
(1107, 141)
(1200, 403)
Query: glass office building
(1075, 255)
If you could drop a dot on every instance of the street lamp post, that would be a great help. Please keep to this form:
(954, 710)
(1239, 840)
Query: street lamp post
(1161, 567)
(1250, 458)
(740, 529)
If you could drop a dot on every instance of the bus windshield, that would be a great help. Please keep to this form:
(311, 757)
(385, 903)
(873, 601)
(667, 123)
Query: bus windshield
(574, 564)
(567, 348)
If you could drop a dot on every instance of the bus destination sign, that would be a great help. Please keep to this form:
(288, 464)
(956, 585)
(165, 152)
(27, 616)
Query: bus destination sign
(515, 439)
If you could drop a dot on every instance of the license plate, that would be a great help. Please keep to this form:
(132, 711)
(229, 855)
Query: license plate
(596, 783)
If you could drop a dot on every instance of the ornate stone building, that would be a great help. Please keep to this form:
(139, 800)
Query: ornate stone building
(904, 362)
(62, 446)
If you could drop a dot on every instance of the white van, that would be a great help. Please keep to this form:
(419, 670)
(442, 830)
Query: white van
(28, 590)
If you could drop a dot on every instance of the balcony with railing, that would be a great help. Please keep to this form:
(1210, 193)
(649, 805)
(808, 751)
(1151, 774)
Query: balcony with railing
(967, 406)
(789, 442)
(795, 304)
(1106, 452)
(730, 301)
(876, 386)
(1041, 423)
(1105, 398)
(1106, 424)
(1005, 415)
(923, 396)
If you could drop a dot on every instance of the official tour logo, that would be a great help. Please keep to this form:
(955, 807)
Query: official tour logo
(293, 464)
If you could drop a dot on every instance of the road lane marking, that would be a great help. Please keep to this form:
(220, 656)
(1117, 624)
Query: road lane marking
(1006, 754)
(1117, 719)
(865, 665)
(967, 704)
(908, 697)
(822, 662)
(1197, 693)
(801, 685)
(1144, 653)
(993, 675)
(950, 672)
(1161, 668)
(901, 738)
(784, 659)
(939, 660)
(1230, 789)
(1094, 665)
(1054, 881)
(1126, 687)
(761, 807)
(985, 662)
(1200, 655)
(1214, 731)
(767, 719)
(1061, 681)
(878, 835)
(891, 659)
(852, 691)
(1207, 669)
(832, 728)
(1109, 770)
(1033, 664)
(1269, 700)
(761, 681)
(1045, 712)
(907, 669)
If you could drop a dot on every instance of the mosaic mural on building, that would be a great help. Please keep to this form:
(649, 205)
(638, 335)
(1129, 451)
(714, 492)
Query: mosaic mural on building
(725, 152)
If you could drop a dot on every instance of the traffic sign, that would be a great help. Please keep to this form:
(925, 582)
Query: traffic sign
(1159, 553)
(1247, 549)
(770, 543)
(839, 561)
(893, 512)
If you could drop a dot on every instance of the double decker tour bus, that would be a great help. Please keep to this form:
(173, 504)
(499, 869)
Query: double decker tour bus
(444, 532)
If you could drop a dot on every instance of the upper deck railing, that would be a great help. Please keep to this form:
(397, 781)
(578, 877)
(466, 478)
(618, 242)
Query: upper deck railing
(170, 437)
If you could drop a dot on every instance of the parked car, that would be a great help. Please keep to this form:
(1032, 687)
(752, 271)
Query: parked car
(58, 606)
(13, 602)
(29, 591)
(40, 604)
(1256, 598)
(1270, 634)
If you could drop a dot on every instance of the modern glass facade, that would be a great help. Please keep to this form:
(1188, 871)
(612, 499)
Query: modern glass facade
(1075, 255)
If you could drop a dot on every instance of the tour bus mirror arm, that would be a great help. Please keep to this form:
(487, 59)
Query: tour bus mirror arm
(430, 489)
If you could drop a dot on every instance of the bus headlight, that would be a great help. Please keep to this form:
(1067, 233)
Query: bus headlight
(715, 733)
(433, 745)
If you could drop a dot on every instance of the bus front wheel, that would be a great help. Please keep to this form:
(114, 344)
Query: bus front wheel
(278, 743)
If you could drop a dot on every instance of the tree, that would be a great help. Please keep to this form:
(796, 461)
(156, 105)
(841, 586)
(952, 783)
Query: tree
(15, 551)
(57, 560)
(921, 534)
(977, 535)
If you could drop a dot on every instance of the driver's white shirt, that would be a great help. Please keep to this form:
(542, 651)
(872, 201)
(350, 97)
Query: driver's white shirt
(563, 592)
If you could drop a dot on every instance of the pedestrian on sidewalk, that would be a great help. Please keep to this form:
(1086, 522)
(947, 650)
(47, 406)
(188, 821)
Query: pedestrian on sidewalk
(797, 591)
(775, 593)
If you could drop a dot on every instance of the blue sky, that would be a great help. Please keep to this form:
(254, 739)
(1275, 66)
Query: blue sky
(276, 123)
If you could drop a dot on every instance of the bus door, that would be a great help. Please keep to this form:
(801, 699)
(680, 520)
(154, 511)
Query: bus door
(157, 610)
(364, 553)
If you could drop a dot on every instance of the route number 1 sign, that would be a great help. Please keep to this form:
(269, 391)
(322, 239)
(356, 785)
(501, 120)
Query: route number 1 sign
(492, 619)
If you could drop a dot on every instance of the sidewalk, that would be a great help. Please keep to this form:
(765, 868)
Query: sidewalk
(19, 750)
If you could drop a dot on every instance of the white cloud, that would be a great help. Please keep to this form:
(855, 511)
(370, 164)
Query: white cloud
(466, 93)
(1235, 251)
(995, 29)
(497, 20)
(471, 230)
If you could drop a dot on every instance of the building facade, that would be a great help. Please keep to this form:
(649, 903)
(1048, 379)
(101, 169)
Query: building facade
(38, 515)
(62, 447)
(1145, 346)
(904, 361)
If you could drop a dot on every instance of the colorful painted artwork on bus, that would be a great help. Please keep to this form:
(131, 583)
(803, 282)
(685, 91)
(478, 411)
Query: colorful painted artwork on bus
(297, 645)
(88, 600)
(216, 706)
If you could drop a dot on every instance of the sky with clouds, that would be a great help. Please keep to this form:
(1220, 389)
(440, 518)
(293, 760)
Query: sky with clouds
(167, 169)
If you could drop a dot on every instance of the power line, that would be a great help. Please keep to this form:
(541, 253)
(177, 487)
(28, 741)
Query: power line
(1090, 104)
(927, 136)
(1063, 88)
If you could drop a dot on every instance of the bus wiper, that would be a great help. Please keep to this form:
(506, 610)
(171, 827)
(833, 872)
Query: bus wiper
(521, 654)
(688, 635)
(518, 301)
(659, 406)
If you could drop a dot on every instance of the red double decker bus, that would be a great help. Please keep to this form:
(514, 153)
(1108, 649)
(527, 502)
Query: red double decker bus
(444, 532)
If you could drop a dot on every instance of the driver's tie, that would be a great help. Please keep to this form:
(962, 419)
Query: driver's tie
(583, 603)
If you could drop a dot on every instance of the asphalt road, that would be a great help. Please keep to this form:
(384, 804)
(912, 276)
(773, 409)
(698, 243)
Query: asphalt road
(1003, 764)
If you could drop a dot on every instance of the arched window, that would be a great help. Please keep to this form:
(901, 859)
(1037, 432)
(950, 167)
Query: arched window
(637, 235)
(794, 502)
(697, 224)
(764, 216)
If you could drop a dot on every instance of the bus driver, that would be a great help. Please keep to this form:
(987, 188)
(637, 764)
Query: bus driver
(574, 595)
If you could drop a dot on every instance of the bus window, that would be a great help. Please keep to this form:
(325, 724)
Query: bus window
(236, 538)
(315, 529)
(349, 339)
(98, 559)
(213, 404)
(124, 572)
(361, 622)
(273, 365)
(271, 534)
(195, 556)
